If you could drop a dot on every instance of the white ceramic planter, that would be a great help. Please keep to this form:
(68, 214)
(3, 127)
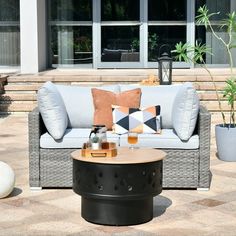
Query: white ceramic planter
(95, 146)
(226, 142)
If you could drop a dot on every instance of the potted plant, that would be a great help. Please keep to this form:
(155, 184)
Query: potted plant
(95, 142)
(225, 132)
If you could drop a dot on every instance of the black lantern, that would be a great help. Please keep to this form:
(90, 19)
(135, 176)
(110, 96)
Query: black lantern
(165, 67)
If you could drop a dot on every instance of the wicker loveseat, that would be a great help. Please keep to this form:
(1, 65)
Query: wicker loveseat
(182, 168)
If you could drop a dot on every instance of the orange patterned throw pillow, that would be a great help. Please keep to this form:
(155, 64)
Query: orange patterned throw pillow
(103, 101)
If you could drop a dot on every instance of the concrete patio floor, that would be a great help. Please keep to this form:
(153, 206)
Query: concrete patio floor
(57, 211)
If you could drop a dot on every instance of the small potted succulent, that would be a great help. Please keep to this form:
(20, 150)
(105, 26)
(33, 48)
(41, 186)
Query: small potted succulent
(95, 142)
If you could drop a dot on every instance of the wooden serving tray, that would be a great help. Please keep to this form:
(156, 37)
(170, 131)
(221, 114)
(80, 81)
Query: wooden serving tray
(108, 150)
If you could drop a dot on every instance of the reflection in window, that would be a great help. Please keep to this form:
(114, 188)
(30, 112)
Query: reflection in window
(71, 10)
(160, 35)
(205, 36)
(167, 10)
(9, 33)
(9, 10)
(120, 43)
(122, 10)
(222, 6)
(71, 44)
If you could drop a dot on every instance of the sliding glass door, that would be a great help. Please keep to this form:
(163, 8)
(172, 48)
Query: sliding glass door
(70, 26)
(119, 30)
(132, 32)
(9, 33)
(167, 25)
(205, 36)
(126, 33)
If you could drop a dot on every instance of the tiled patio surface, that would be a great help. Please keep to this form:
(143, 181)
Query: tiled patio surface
(57, 212)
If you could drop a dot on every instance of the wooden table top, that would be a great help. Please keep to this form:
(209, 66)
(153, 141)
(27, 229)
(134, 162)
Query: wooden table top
(125, 156)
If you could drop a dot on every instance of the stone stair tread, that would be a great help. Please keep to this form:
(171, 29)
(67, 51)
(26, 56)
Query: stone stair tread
(19, 93)
(22, 87)
(17, 107)
(18, 97)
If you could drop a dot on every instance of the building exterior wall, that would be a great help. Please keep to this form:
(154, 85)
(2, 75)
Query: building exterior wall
(36, 26)
(33, 36)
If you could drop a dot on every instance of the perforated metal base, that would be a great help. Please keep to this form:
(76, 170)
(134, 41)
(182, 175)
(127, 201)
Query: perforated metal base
(117, 194)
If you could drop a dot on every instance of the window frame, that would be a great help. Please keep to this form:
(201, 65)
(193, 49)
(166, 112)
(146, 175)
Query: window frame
(143, 24)
(12, 23)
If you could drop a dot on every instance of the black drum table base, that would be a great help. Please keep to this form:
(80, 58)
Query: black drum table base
(117, 194)
(117, 212)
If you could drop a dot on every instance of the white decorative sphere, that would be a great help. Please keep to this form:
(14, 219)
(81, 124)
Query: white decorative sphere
(7, 179)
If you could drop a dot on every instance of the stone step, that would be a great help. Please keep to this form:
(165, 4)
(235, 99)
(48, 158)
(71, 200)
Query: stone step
(213, 106)
(206, 86)
(105, 78)
(111, 80)
(209, 96)
(19, 93)
(18, 97)
(22, 106)
(31, 96)
(218, 78)
(22, 87)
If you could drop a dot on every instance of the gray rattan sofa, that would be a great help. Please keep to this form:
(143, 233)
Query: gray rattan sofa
(182, 168)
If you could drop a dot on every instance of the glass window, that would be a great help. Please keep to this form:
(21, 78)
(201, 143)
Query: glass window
(120, 43)
(71, 10)
(222, 6)
(71, 44)
(164, 35)
(70, 32)
(120, 10)
(219, 55)
(9, 33)
(205, 36)
(167, 10)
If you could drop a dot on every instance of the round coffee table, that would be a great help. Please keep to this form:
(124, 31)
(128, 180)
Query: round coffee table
(118, 190)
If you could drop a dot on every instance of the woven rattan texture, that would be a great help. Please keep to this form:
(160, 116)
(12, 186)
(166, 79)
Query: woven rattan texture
(181, 168)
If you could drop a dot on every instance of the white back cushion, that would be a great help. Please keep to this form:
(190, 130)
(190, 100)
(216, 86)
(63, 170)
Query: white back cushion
(53, 110)
(185, 111)
(162, 95)
(79, 104)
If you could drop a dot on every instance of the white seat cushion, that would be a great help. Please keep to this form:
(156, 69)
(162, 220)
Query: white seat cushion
(167, 139)
(73, 138)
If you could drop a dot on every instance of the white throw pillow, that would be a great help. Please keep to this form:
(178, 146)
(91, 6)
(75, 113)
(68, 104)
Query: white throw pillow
(52, 109)
(185, 111)
(78, 101)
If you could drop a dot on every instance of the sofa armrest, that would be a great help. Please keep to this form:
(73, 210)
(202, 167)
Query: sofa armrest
(35, 128)
(204, 132)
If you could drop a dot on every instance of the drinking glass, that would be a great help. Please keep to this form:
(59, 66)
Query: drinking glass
(132, 139)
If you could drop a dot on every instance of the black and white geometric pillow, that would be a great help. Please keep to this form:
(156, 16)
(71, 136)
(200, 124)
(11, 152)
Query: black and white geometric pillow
(137, 120)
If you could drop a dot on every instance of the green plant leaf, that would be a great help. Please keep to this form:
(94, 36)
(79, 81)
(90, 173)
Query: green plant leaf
(181, 51)
(203, 18)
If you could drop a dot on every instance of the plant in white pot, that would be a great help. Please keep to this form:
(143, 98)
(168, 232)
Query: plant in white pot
(225, 132)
